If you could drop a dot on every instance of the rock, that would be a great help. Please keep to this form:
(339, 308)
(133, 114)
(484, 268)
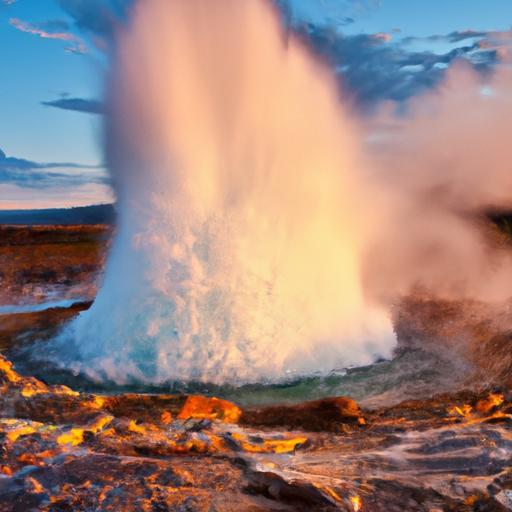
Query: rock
(201, 407)
(260, 444)
(301, 495)
(325, 414)
(112, 483)
(13, 381)
(488, 404)
(29, 398)
(61, 450)
(144, 408)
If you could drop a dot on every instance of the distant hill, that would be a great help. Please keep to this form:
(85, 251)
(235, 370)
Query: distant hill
(96, 214)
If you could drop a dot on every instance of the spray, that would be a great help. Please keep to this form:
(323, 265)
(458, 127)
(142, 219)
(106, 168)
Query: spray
(240, 189)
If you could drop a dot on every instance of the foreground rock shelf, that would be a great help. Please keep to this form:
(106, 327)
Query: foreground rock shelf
(66, 451)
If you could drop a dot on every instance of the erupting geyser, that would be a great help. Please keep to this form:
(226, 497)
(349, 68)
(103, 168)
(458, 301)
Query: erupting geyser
(238, 175)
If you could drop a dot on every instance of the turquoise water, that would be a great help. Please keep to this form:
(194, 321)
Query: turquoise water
(412, 373)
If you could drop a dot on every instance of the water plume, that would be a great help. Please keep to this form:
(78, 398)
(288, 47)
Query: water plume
(264, 231)
(242, 217)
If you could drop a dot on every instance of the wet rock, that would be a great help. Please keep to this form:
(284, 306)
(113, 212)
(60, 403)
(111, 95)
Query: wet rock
(36, 326)
(328, 414)
(280, 443)
(303, 496)
(67, 451)
(396, 496)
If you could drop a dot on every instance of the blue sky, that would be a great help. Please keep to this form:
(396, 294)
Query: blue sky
(53, 52)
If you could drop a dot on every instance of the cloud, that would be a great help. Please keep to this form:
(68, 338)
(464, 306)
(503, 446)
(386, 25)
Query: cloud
(13, 197)
(384, 37)
(97, 17)
(372, 68)
(53, 29)
(462, 35)
(77, 105)
(494, 42)
(442, 166)
(29, 174)
(20, 163)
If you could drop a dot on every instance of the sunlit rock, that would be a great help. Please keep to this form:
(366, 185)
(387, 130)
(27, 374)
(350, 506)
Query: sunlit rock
(200, 407)
(63, 450)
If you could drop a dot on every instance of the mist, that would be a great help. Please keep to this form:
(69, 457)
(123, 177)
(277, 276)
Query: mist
(266, 228)
(440, 167)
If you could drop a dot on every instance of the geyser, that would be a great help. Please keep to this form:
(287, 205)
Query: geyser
(238, 175)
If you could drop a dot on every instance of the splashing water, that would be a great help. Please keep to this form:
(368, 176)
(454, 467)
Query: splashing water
(237, 256)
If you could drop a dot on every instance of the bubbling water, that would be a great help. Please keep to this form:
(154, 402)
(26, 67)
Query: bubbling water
(241, 220)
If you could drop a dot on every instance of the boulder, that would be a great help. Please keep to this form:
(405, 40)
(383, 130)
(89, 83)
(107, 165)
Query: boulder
(201, 407)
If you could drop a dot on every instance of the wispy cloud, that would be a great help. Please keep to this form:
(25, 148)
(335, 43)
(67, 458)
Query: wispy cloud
(77, 105)
(495, 42)
(30, 174)
(54, 29)
(9, 162)
(463, 35)
(382, 37)
(13, 197)
(8, 2)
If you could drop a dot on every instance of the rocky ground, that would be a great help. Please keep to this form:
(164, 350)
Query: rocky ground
(61, 450)
(66, 451)
(42, 264)
(38, 263)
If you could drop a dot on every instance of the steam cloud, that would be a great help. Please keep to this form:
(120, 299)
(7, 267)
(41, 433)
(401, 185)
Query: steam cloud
(442, 166)
(264, 229)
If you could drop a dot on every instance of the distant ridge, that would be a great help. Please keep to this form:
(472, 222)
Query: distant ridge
(95, 214)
